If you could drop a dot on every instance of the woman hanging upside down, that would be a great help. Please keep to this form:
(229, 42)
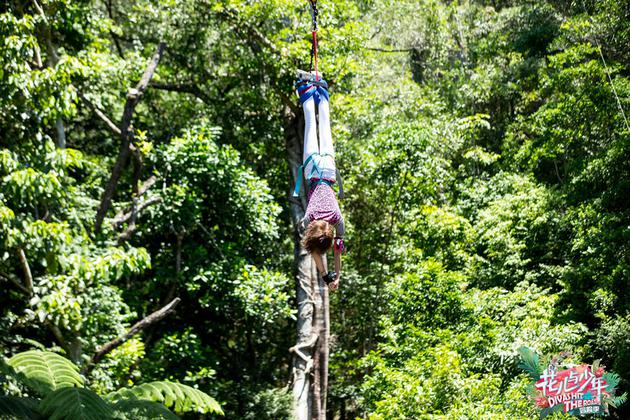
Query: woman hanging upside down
(322, 213)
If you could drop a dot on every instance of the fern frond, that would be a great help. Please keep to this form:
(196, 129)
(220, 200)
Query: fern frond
(75, 404)
(612, 380)
(18, 408)
(133, 409)
(181, 398)
(617, 401)
(529, 362)
(44, 371)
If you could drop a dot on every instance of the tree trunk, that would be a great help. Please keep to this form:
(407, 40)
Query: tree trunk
(127, 136)
(309, 376)
(320, 351)
(324, 342)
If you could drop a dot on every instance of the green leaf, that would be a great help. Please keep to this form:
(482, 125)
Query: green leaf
(529, 362)
(617, 401)
(181, 398)
(558, 408)
(75, 404)
(612, 380)
(18, 408)
(134, 409)
(45, 371)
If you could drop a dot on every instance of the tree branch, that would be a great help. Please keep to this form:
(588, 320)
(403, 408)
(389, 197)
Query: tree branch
(146, 185)
(28, 276)
(232, 16)
(290, 103)
(135, 208)
(260, 39)
(178, 264)
(53, 59)
(125, 215)
(58, 335)
(17, 284)
(182, 88)
(395, 50)
(137, 171)
(212, 238)
(113, 127)
(38, 57)
(122, 218)
(40, 11)
(307, 344)
(110, 13)
(135, 329)
(133, 97)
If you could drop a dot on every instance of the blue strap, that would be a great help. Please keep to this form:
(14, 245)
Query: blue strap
(315, 169)
(322, 94)
(307, 90)
(298, 182)
(340, 183)
(324, 181)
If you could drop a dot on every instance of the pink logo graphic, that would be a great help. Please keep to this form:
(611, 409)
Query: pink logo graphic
(577, 389)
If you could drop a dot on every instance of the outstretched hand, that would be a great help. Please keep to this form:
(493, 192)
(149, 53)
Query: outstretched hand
(334, 285)
(332, 280)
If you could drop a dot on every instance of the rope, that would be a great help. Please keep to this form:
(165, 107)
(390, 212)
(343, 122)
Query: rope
(599, 49)
(315, 53)
(623, 114)
(314, 14)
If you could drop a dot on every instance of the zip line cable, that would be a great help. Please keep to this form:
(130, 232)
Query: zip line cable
(610, 81)
(623, 114)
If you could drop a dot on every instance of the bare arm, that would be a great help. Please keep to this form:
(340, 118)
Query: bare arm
(319, 262)
(341, 230)
(335, 284)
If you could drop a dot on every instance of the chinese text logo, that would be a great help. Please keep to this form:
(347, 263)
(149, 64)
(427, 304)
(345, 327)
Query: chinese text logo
(577, 389)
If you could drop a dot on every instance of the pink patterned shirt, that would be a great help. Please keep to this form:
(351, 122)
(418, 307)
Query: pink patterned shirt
(322, 205)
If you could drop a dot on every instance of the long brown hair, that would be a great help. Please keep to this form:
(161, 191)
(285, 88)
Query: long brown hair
(318, 236)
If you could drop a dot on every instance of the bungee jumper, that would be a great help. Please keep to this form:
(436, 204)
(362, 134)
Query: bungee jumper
(323, 215)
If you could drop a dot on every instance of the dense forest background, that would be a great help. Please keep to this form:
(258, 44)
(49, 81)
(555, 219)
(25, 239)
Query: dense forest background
(486, 160)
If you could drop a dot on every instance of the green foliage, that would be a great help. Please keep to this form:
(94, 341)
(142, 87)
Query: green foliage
(18, 408)
(263, 294)
(524, 205)
(180, 397)
(618, 400)
(270, 404)
(45, 371)
(75, 403)
(117, 368)
(547, 411)
(612, 380)
(205, 183)
(130, 409)
(530, 362)
(611, 340)
(57, 380)
(486, 165)
(428, 298)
